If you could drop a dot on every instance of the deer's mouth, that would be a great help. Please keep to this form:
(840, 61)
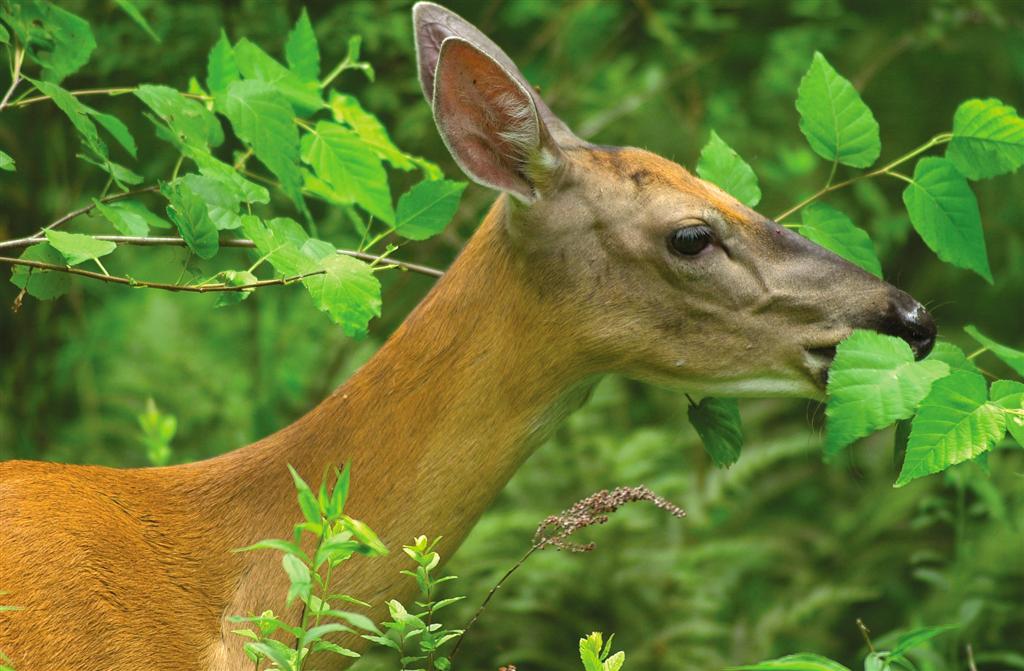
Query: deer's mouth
(819, 359)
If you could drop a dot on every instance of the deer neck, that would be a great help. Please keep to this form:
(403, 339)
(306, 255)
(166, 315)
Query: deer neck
(442, 416)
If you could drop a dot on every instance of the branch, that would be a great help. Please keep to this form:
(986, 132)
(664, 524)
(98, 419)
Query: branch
(243, 243)
(77, 213)
(116, 91)
(195, 288)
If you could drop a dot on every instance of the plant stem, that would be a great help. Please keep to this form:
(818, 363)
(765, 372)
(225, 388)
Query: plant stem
(487, 599)
(19, 58)
(115, 91)
(884, 170)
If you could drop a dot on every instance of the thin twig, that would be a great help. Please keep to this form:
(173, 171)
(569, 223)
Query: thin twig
(129, 281)
(970, 658)
(116, 91)
(866, 633)
(239, 242)
(75, 213)
(19, 58)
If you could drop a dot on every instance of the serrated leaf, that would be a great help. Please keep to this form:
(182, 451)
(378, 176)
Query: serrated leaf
(281, 241)
(256, 64)
(6, 162)
(245, 190)
(988, 139)
(873, 382)
(720, 164)
(834, 119)
(234, 278)
(347, 291)
(717, 422)
(77, 248)
(131, 10)
(302, 51)
(799, 662)
(77, 113)
(221, 68)
(426, 208)
(125, 221)
(42, 284)
(953, 357)
(834, 231)
(222, 200)
(370, 130)
(56, 39)
(954, 423)
(188, 211)
(1011, 357)
(944, 212)
(343, 160)
(116, 128)
(191, 123)
(1009, 395)
(263, 119)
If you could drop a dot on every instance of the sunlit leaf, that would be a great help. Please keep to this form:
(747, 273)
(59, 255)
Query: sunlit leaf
(953, 357)
(426, 208)
(988, 139)
(873, 382)
(77, 248)
(344, 161)
(347, 291)
(191, 123)
(833, 117)
(302, 51)
(1009, 395)
(77, 113)
(370, 130)
(116, 128)
(834, 231)
(6, 162)
(56, 39)
(721, 165)
(221, 68)
(717, 422)
(125, 221)
(188, 211)
(1010, 356)
(222, 200)
(256, 64)
(131, 10)
(954, 423)
(945, 214)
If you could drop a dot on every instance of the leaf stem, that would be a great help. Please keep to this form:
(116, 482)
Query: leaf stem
(19, 58)
(887, 169)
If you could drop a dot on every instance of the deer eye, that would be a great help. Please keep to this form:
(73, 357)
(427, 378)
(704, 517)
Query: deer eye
(691, 240)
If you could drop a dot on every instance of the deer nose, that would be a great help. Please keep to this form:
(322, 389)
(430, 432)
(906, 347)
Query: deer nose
(907, 319)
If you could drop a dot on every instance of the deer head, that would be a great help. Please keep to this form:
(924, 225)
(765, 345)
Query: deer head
(659, 275)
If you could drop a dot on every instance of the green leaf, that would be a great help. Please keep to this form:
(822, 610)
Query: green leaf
(234, 278)
(717, 422)
(131, 10)
(221, 68)
(916, 637)
(188, 211)
(720, 164)
(988, 139)
(335, 648)
(834, 119)
(77, 114)
(834, 231)
(276, 544)
(1011, 357)
(53, 37)
(281, 241)
(77, 248)
(6, 162)
(42, 284)
(116, 128)
(426, 208)
(191, 123)
(945, 214)
(954, 423)
(222, 200)
(1008, 395)
(307, 500)
(370, 130)
(343, 160)
(873, 382)
(298, 574)
(365, 535)
(256, 64)
(590, 652)
(5, 37)
(127, 222)
(244, 190)
(803, 661)
(302, 51)
(263, 119)
(615, 662)
(347, 291)
(953, 357)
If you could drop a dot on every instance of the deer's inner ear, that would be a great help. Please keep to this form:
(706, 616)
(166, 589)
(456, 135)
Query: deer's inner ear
(489, 122)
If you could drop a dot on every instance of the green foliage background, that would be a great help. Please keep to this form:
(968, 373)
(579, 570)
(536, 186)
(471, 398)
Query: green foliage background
(780, 552)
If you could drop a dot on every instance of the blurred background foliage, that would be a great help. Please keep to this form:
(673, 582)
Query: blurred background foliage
(780, 553)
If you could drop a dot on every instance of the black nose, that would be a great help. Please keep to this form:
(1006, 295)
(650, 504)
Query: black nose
(907, 319)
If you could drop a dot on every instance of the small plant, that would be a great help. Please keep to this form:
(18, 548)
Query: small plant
(428, 636)
(158, 431)
(339, 538)
(876, 660)
(596, 657)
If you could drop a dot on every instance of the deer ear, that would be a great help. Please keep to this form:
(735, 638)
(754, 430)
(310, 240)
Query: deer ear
(490, 124)
(433, 24)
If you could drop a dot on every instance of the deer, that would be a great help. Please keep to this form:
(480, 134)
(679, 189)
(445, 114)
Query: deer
(592, 260)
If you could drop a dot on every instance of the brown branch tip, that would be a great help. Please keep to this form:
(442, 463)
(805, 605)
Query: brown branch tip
(595, 509)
